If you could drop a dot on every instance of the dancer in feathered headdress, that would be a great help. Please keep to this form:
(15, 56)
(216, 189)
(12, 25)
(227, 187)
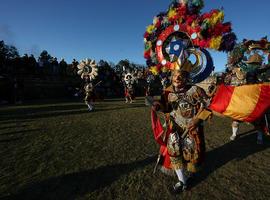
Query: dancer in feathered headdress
(88, 71)
(176, 40)
(247, 64)
(129, 85)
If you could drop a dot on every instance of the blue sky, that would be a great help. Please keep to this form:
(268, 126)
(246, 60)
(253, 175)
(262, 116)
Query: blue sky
(111, 30)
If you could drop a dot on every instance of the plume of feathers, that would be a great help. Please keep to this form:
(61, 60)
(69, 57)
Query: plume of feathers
(87, 67)
(209, 27)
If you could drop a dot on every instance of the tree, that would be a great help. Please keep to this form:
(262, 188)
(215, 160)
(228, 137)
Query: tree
(121, 67)
(12, 52)
(124, 63)
(104, 64)
(112, 65)
(55, 66)
(44, 61)
(73, 67)
(3, 52)
(9, 56)
(44, 57)
(63, 67)
(32, 63)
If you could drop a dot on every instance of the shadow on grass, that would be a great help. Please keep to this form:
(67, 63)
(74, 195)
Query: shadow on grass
(15, 135)
(121, 107)
(10, 139)
(9, 127)
(235, 150)
(18, 111)
(50, 113)
(12, 133)
(71, 186)
(58, 110)
(14, 120)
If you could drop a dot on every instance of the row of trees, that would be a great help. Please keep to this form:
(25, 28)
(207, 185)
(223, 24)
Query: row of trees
(11, 63)
(34, 75)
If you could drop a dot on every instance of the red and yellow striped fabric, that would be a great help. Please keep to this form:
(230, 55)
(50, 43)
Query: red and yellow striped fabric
(245, 103)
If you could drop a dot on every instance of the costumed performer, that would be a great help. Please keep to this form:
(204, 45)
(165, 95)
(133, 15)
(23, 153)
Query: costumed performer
(170, 42)
(88, 71)
(243, 72)
(129, 84)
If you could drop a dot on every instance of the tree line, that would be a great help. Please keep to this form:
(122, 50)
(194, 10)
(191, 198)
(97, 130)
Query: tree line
(22, 70)
(11, 63)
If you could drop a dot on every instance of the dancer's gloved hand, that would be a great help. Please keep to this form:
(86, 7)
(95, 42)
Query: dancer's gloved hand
(193, 124)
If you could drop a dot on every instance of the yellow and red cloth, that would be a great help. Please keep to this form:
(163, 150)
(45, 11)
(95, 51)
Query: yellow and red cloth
(245, 103)
(159, 137)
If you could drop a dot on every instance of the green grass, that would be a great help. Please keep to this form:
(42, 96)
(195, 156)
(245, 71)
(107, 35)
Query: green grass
(58, 150)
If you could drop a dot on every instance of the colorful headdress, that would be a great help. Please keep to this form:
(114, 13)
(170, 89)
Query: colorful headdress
(88, 67)
(249, 52)
(184, 30)
(129, 78)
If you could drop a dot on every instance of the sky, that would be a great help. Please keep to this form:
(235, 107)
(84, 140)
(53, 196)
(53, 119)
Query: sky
(111, 30)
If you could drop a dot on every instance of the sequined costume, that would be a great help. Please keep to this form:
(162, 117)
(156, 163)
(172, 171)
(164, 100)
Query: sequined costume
(186, 148)
(171, 43)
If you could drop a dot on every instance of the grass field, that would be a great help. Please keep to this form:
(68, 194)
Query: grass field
(58, 150)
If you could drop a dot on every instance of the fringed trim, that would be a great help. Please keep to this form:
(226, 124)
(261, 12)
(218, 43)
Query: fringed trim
(177, 163)
(193, 168)
(167, 171)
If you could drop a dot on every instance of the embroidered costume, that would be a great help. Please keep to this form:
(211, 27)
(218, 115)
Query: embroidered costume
(185, 147)
(170, 42)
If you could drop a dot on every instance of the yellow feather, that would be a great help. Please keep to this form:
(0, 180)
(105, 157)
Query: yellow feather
(215, 42)
(150, 29)
(172, 13)
(216, 18)
(154, 70)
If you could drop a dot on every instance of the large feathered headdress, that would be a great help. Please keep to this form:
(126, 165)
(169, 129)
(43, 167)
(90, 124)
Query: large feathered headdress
(87, 67)
(249, 52)
(184, 30)
(129, 78)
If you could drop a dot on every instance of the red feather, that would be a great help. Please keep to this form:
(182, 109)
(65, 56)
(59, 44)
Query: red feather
(147, 54)
(146, 35)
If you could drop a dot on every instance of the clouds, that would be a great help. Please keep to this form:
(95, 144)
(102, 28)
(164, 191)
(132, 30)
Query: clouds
(35, 50)
(9, 37)
(6, 34)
